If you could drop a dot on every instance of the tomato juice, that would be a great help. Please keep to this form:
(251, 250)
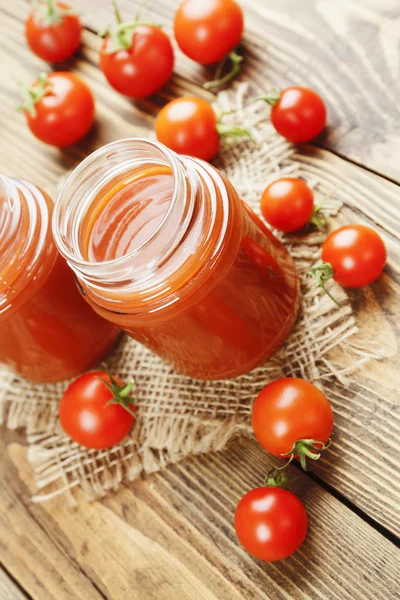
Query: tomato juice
(47, 331)
(163, 247)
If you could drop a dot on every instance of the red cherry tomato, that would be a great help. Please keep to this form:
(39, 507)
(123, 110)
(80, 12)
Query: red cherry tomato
(143, 67)
(299, 114)
(207, 30)
(86, 415)
(271, 523)
(60, 109)
(52, 33)
(291, 410)
(188, 125)
(287, 204)
(356, 253)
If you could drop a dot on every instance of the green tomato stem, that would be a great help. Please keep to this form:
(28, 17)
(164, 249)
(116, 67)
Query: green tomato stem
(120, 393)
(318, 218)
(49, 12)
(306, 448)
(122, 34)
(117, 13)
(277, 478)
(272, 98)
(218, 81)
(323, 272)
(34, 94)
(233, 131)
(51, 9)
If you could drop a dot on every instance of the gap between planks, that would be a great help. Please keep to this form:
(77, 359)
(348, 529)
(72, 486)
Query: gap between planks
(11, 587)
(92, 30)
(391, 537)
(352, 161)
(381, 529)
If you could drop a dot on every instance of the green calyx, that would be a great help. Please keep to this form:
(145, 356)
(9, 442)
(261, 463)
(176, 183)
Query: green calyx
(120, 393)
(50, 12)
(34, 94)
(302, 449)
(323, 272)
(276, 478)
(121, 35)
(307, 448)
(231, 132)
(318, 219)
(272, 98)
(218, 81)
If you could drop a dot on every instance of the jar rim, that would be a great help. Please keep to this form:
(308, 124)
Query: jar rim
(74, 255)
(199, 226)
(29, 246)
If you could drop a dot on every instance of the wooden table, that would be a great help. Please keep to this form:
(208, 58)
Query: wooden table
(171, 536)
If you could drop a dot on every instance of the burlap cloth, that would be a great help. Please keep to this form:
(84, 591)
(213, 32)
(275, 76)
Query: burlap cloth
(178, 416)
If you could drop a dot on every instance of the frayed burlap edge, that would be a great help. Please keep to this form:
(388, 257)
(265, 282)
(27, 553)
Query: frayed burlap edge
(177, 416)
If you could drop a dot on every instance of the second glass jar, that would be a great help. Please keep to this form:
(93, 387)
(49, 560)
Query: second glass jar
(162, 246)
(47, 332)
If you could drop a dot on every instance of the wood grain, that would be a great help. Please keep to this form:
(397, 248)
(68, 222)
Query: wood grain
(8, 589)
(30, 549)
(362, 463)
(321, 44)
(172, 537)
(347, 50)
(174, 531)
(369, 198)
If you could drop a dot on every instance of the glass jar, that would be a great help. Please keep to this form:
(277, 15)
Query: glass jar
(47, 331)
(162, 246)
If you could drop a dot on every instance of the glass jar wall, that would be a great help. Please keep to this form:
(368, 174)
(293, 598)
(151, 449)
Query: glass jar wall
(47, 331)
(162, 246)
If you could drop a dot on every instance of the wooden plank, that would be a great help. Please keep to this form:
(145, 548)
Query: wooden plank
(172, 537)
(8, 589)
(362, 462)
(214, 486)
(321, 44)
(347, 51)
(22, 154)
(360, 466)
(31, 550)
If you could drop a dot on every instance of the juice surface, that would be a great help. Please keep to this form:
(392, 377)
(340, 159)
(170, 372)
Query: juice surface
(129, 214)
(239, 313)
(47, 330)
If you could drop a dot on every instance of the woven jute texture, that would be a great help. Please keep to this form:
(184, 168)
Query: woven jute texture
(177, 416)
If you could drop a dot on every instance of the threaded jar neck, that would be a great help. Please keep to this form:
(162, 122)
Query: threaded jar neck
(26, 245)
(199, 207)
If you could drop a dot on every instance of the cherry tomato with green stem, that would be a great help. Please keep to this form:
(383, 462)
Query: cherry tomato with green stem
(59, 108)
(297, 113)
(207, 31)
(271, 523)
(189, 125)
(136, 58)
(288, 204)
(353, 255)
(292, 418)
(97, 411)
(53, 31)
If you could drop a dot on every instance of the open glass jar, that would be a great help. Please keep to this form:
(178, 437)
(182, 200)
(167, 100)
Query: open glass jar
(47, 331)
(162, 246)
